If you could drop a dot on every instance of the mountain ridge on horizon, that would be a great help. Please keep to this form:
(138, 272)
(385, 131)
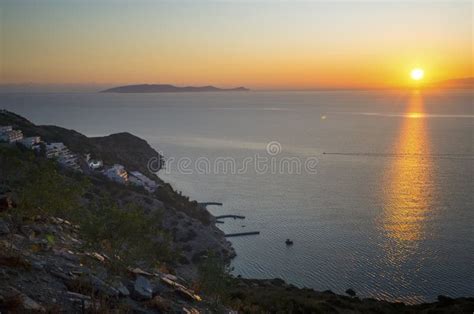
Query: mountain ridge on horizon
(168, 88)
(464, 82)
(454, 83)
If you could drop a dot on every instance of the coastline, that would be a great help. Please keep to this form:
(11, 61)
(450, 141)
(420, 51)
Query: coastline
(183, 215)
(267, 281)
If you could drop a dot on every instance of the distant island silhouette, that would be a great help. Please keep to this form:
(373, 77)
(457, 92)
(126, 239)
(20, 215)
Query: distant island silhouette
(167, 88)
(458, 83)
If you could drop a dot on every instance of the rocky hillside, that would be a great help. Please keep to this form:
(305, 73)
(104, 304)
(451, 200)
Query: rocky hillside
(44, 268)
(188, 227)
(188, 235)
(123, 148)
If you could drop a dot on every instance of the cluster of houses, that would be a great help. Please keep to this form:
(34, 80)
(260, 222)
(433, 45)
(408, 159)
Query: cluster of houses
(63, 155)
(119, 174)
(68, 159)
(59, 151)
(7, 134)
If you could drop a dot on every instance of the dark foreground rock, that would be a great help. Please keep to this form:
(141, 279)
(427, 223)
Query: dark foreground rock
(142, 289)
(60, 276)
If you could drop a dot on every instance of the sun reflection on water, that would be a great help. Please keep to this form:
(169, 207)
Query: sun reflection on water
(415, 115)
(408, 185)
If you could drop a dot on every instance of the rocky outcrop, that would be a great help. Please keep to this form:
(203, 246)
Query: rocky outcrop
(189, 235)
(142, 289)
(4, 229)
(40, 274)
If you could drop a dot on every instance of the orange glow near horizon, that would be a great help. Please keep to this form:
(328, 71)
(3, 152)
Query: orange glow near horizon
(257, 45)
(275, 74)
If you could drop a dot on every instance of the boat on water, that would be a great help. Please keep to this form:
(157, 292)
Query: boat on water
(288, 242)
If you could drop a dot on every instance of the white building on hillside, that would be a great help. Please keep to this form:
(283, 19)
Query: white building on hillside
(56, 149)
(95, 164)
(117, 173)
(30, 142)
(6, 128)
(140, 179)
(63, 155)
(7, 134)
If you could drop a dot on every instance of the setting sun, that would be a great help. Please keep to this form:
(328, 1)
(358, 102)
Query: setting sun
(417, 74)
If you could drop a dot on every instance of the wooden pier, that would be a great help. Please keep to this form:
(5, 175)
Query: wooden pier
(205, 204)
(240, 234)
(230, 216)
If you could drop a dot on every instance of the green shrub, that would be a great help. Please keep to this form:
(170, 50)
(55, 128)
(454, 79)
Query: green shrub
(214, 279)
(128, 236)
(39, 185)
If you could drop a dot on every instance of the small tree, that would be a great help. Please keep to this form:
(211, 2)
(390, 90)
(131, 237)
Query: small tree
(214, 278)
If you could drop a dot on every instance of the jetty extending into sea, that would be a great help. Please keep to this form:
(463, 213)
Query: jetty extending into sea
(220, 217)
(240, 234)
(205, 204)
(230, 216)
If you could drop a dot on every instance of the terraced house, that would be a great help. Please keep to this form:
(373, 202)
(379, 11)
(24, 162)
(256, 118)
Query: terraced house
(63, 155)
(7, 134)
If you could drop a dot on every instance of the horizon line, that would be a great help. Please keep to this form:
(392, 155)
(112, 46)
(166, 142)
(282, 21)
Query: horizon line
(91, 85)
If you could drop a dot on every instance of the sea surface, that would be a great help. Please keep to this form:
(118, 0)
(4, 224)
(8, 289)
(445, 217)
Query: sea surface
(385, 205)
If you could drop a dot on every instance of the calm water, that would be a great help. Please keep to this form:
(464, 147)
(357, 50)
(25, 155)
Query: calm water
(389, 212)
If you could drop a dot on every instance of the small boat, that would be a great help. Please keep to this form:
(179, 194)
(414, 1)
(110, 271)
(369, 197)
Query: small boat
(289, 242)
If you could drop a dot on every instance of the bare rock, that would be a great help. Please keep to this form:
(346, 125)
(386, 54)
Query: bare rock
(142, 289)
(78, 295)
(20, 300)
(4, 229)
(102, 287)
(29, 304)
(160, 304)
(6, 203)
(351, 292)
(121, 288)
(444, 300)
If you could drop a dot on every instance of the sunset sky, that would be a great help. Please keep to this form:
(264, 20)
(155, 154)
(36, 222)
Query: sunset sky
(258, 44)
